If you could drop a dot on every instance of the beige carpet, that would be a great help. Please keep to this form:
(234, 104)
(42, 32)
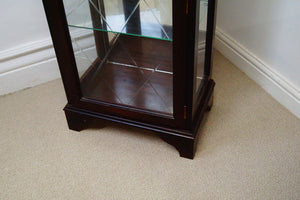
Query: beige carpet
(249, 149)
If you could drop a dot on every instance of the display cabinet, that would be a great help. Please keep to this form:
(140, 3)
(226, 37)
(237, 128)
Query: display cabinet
(144, 63)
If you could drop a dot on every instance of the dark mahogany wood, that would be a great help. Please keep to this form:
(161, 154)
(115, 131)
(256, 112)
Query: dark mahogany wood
(126, 77)
(101, 37)
(92, 97)
(77, 121)
(186, 145)
(184, 140)
(57, 22)
(134, 22)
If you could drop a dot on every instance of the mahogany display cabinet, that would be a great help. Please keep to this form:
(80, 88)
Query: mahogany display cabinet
(144, 63)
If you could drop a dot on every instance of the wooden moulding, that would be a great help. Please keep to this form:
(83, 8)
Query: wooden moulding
(184, 140)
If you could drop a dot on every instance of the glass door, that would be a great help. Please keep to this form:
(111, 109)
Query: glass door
(123, 51)
(200, 64)
(200, 39)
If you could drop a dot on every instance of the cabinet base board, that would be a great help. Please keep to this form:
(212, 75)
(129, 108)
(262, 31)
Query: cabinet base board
(183, 140)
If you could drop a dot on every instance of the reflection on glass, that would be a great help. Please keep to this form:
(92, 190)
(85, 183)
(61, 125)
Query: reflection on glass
(123, 51)
(146, 18)
(201, 32)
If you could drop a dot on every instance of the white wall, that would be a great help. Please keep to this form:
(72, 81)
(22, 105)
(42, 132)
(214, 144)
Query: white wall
(22, 22)
(269, 29)
(26, 54)
(27, 57)
(262, 38)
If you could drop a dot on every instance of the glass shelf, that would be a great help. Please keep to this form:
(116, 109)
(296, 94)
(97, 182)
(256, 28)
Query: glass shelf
(144, 18)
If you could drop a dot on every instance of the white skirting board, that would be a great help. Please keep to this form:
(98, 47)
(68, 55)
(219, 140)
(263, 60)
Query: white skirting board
(271, 81)
(35, 63)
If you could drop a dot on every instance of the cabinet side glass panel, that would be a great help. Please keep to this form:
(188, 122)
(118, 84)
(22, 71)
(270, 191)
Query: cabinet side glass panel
(123, 51)
(200, 43)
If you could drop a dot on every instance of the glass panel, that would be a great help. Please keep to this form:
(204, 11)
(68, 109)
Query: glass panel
(123, 51)
(146, 18)
(200, 46)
